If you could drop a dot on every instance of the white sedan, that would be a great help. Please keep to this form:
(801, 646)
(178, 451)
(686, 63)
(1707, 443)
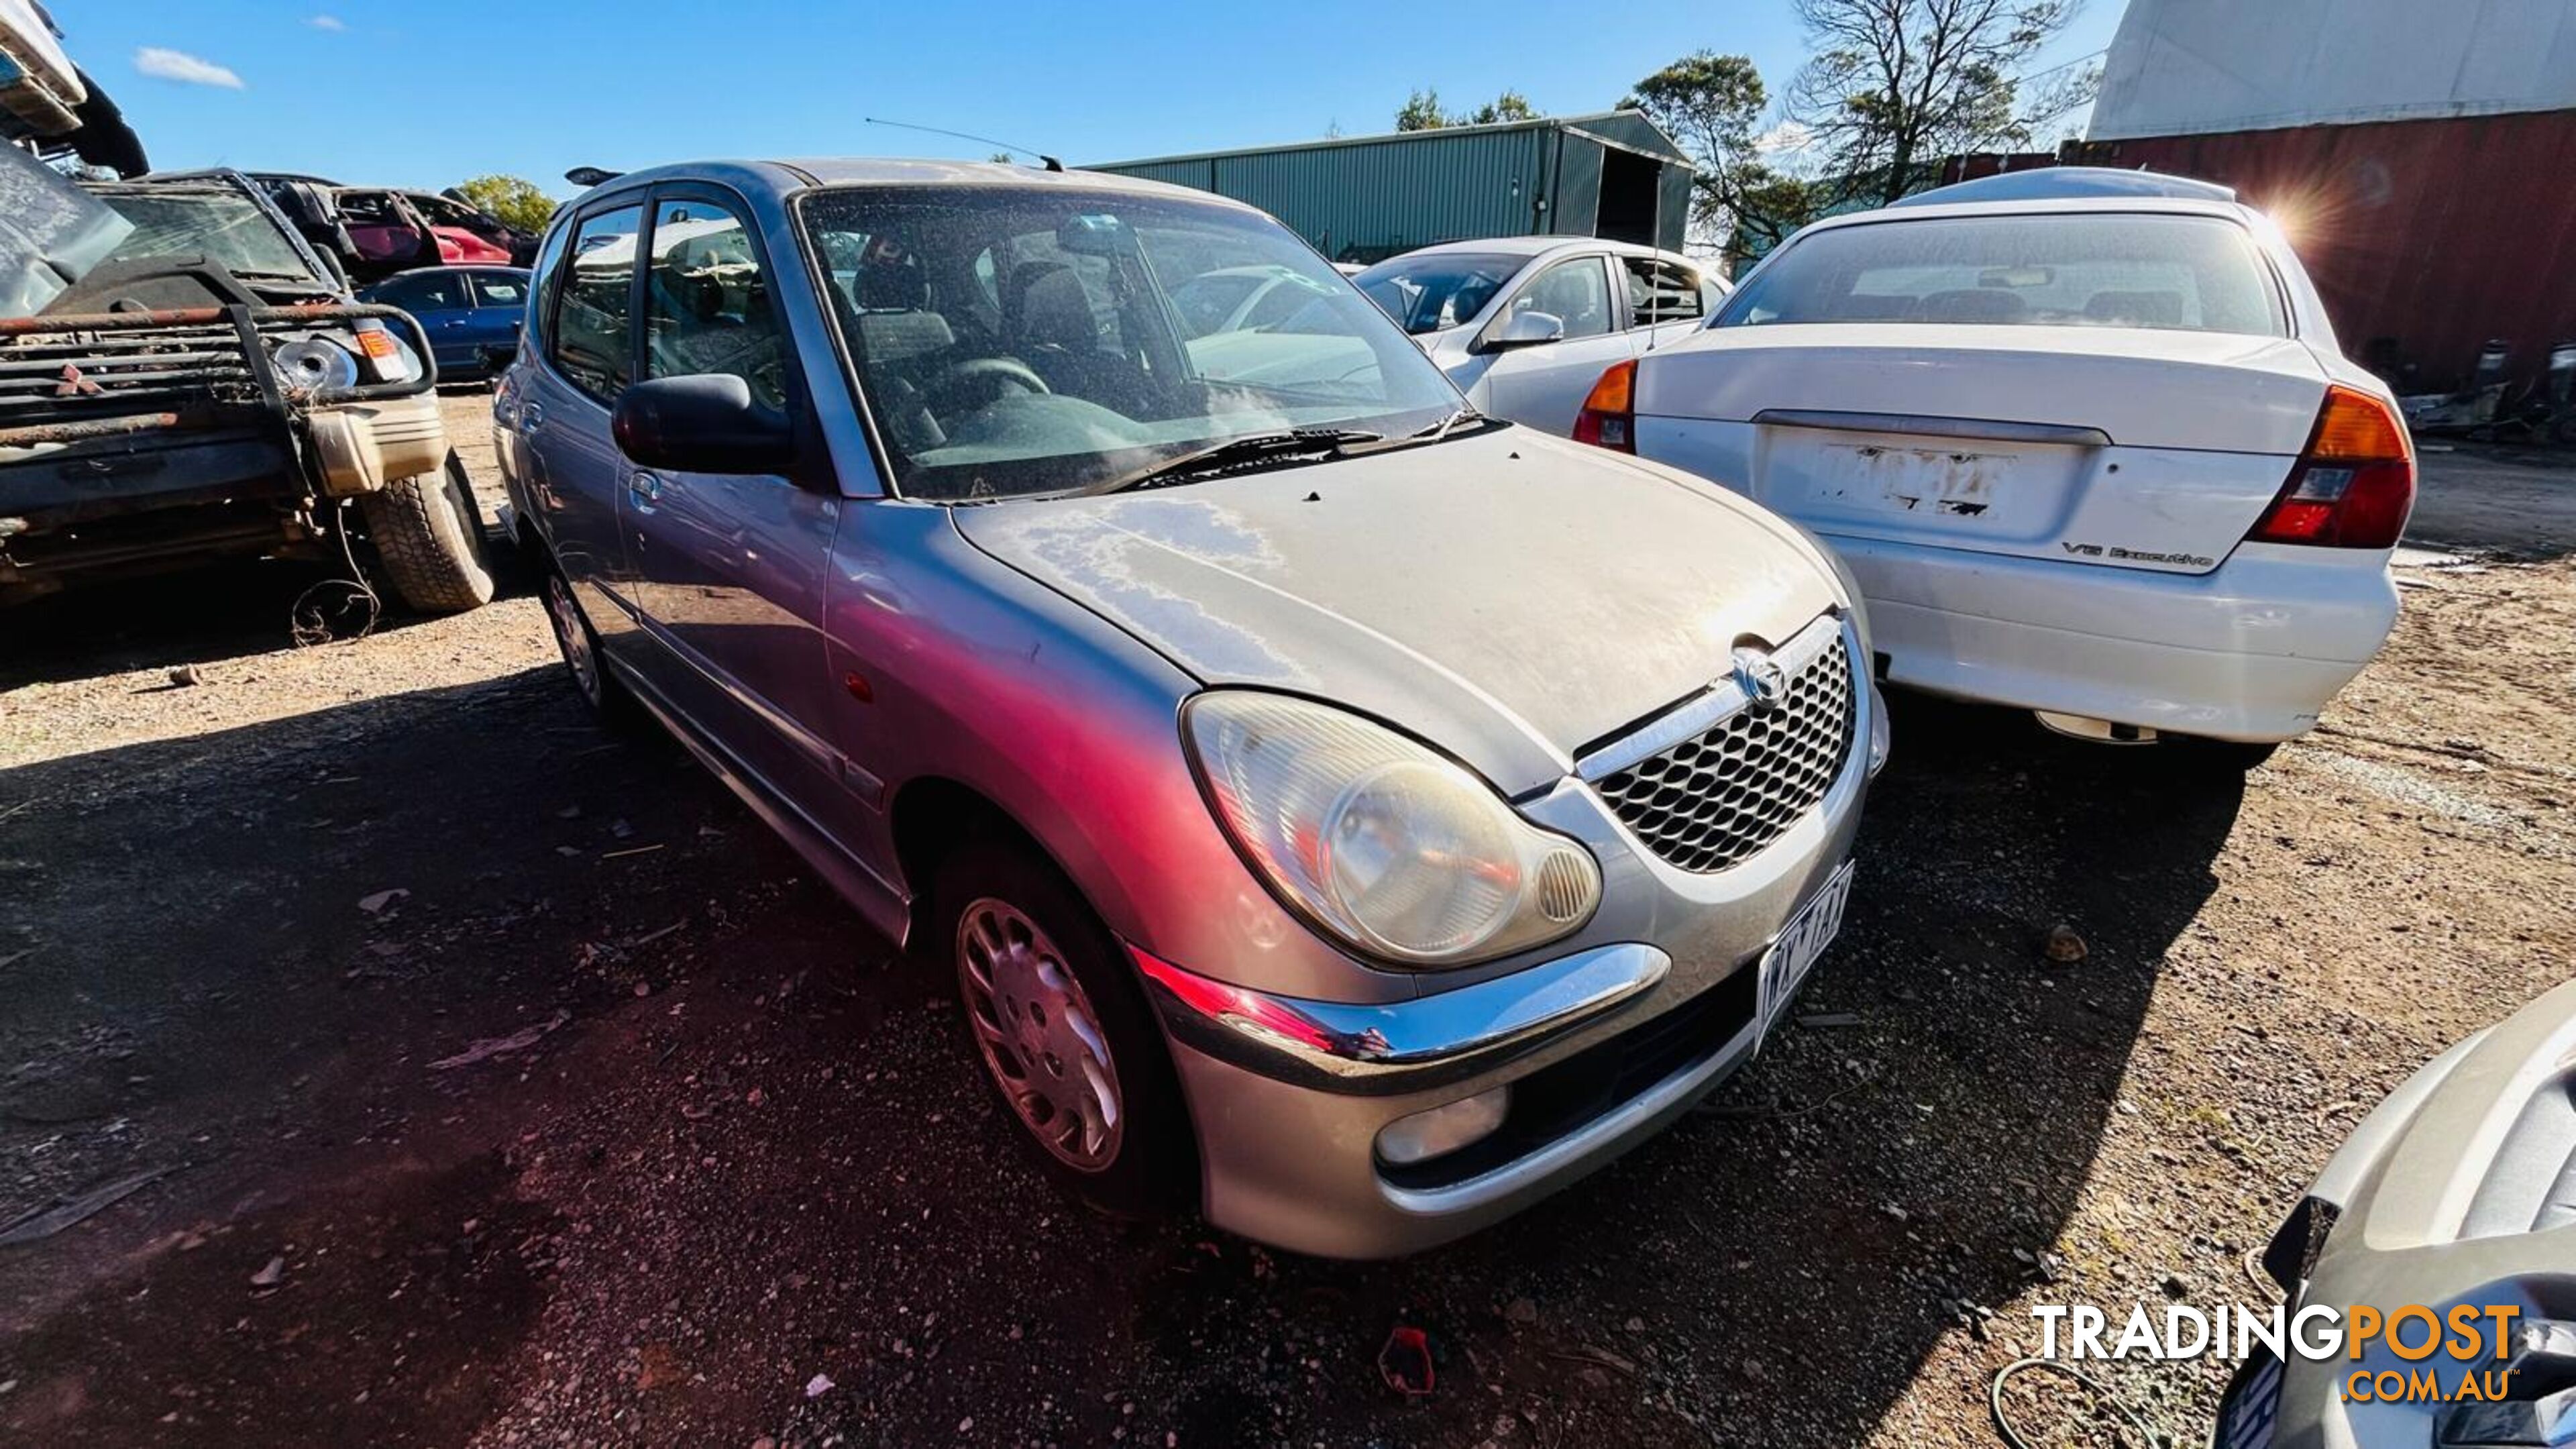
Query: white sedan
(1524, 325)
(2085, 440)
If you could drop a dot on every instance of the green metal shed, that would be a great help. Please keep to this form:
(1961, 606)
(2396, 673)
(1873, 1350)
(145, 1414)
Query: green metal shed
(1361, 198)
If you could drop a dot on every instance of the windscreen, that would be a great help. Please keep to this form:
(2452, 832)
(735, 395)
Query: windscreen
(2073, 269)
(1021, 340)
(1432, 292)
(213, 222)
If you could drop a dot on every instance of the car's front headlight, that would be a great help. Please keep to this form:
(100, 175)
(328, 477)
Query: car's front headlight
(1386, 845)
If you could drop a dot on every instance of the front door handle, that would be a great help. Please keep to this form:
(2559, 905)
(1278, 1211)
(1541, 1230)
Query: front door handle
(644, 490)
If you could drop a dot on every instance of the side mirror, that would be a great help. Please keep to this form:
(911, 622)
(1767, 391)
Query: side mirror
(1526, 329)
(703, 424)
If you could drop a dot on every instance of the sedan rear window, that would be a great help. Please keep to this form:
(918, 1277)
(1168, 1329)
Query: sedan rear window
(2184, 273)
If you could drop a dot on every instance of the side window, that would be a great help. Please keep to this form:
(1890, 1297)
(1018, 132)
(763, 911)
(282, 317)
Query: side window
(1575, 292)
(435, 292)
(593, 336)
(1660, 292)
(707, 307)
(499, 289)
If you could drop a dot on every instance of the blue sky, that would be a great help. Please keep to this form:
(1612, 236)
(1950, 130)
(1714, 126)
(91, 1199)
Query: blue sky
(429, 94)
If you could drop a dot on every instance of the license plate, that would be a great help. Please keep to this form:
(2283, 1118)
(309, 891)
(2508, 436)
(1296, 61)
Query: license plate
(2252, 1404)
(1785, 965)
(1931, 483)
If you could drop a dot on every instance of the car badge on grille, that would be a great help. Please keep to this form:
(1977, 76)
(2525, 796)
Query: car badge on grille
(1764, 682)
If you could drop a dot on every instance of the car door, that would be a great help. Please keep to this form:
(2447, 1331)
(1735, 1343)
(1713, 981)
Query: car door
(500, 308)
(732, 568)
(1543, 384)
(439, 301)
(1667, 300)
(585, 356)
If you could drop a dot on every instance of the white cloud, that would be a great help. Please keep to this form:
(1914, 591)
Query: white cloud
(327, 22)
(1785, 139)
(179, 65)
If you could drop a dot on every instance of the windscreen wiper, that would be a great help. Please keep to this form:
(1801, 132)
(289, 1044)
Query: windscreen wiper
(1250, 447)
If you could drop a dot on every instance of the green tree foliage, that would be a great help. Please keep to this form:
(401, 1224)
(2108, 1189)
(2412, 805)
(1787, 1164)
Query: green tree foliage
(1894, 86)
(515, 200)
(1712, 105)
(1421, 111)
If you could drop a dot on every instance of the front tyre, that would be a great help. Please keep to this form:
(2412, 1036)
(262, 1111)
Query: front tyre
(1063, 1031)
(428, 533)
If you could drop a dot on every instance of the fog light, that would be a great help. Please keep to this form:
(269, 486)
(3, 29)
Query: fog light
(1879, 742)
(1444, 1129)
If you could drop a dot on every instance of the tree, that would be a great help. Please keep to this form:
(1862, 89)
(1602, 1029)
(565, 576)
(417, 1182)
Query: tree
(516, 201)
(1421, 111)
(1710, 105)
(1894, 86)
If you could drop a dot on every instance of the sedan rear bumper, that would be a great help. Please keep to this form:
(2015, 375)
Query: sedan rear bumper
(2252, 650)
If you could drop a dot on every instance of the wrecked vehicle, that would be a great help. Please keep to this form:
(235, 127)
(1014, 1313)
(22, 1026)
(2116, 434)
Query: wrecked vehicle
(208, 390)
(1342, 813)
(2456, 1193)
(373, 232)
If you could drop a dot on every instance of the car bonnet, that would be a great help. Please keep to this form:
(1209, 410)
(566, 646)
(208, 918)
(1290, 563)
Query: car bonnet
(1509, 598)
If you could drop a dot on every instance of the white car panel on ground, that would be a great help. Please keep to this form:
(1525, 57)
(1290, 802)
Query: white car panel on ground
(1607, 301)
(2056, 441)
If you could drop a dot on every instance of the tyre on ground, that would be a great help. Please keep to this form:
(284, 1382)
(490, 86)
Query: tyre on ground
(428, 533)
(1061, 1027)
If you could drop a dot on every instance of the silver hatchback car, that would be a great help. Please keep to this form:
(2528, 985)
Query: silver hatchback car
(1342, 812)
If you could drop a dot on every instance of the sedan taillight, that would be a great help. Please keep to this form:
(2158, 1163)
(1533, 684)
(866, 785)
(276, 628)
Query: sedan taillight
(2354, 483)
(1609, 416)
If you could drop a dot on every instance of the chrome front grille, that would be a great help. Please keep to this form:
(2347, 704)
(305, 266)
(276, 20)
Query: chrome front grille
(1740, 774)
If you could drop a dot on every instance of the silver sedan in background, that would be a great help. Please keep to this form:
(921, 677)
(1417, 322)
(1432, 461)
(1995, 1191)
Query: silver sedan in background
(1524, 325)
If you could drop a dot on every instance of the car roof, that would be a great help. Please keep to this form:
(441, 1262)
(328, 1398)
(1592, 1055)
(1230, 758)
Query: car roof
(1538, 246)
(2135, 205)
(2066, 183)
(786, 175)
(454, 266)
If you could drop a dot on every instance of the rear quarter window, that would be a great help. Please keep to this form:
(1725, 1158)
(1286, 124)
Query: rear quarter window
(2078, 269)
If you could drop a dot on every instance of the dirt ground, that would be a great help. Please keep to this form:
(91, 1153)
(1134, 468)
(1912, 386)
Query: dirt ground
(502, 1082)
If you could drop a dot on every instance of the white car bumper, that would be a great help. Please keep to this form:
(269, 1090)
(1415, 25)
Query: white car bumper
(2249, 651)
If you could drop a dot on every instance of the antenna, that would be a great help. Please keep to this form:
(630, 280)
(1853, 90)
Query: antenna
(1048, 161)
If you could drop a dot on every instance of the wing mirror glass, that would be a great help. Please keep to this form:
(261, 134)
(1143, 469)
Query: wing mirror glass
(704, 424)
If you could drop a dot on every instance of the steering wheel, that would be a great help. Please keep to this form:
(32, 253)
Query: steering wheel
(988, 370)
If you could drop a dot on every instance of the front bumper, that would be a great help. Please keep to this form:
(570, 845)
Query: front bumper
(2250, 651)
(2459, 1188)
(1634, 1020)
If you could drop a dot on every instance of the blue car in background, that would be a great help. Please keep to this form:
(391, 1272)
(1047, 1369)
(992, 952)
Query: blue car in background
(472, 314)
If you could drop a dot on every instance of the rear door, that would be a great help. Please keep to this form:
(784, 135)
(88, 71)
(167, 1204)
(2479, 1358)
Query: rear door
(2110, 390)
(1667, 301)
(444, 308)
(584, 358)
(500, 308)
(1543, 385)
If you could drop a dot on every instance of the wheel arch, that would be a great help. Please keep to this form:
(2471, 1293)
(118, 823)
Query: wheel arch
(931, 818)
